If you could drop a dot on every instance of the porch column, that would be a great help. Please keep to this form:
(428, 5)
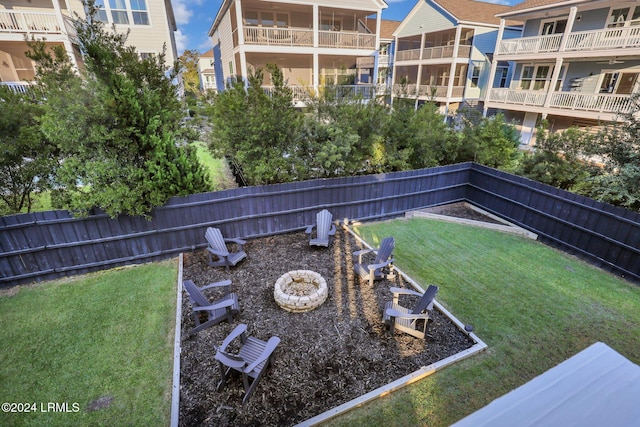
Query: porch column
(241, 53)
(422, 37)
(378, 21)
(316, 24)
(392, 68)
(418, 82)
(239, 24)
(567, 31)
(552, 83)
(67, 43)
(452, 69)
(494, 66)
(316, 73)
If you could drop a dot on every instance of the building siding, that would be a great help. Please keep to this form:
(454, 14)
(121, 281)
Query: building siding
(425, 19)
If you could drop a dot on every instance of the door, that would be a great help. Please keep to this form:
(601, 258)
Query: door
(627, 83)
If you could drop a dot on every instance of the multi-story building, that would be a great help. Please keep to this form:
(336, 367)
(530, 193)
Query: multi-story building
(151, 24)
(577, 63)
(379, 65)
(206, 71)
(444, 52)
(314, 42)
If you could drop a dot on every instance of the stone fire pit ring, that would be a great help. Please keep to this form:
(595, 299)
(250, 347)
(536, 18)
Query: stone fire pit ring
(300, 291)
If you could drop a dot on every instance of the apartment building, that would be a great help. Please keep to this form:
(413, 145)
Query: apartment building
(379, 65)
(444, 52)
(206, 71)
(576, 63)
(314, 42)
(151, 24)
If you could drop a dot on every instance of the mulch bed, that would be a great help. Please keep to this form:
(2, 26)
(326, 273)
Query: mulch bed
(326, 357)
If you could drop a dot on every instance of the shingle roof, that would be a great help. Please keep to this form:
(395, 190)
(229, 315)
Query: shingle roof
(387, 28)
(530, 4)
(207, 54)
(473, 11)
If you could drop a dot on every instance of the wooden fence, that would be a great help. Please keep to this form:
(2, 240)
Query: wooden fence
(46, 245)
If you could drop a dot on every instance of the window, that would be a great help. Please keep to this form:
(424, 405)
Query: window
(123, 12)
(553, 27)
(535, 77)
(119, 12)
(475, 76)
(139, 12)
(145, 55)
(618, 17)
(501, 76)
(102, 13)
(619, 83)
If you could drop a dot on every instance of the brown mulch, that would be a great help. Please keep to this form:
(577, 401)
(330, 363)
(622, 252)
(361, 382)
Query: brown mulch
(326, 357)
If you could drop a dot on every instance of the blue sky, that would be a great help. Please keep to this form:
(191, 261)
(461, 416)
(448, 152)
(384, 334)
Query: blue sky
(194, 18)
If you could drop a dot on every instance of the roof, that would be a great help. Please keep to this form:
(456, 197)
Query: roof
(596, 387)
(207, 54)
(387, 28)
(473, 11)
(527, 5)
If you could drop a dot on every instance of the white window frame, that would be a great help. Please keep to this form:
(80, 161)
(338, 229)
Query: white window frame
(105, 13)
(534, 77)
(634, 11)
(553, 21)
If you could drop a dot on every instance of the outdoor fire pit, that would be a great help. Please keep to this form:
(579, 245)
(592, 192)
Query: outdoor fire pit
(300, 291)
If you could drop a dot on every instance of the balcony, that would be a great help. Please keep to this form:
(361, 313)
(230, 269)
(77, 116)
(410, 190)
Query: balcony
(17, 87)
(304, 94)
(428, 91)
(436, 52)
(14, 24)
(304, 37)
(583, 41)
(565, 101)
(369, 61)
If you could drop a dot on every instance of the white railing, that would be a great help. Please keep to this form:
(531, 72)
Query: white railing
(611, 38)
(278, 36)
(302, 93)
(539, 44)
(519, 97)
(369, 61)
(440, 91)
(17, 87)
(596, 102)
(606, 39)
(345, 39)
(603, 103)
(16, 21)
(408, 55)
(436, 52)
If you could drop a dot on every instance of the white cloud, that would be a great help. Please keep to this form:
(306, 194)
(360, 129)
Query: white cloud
(181, 41)
(181, 12)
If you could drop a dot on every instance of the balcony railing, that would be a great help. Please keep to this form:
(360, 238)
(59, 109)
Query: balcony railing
(596, 40)
(595, 102)
(436, 52)
(369, 61)
(304, 94)
(304, 37)
(16, 21)
(346, 40)
(278, 36)
(17, 87)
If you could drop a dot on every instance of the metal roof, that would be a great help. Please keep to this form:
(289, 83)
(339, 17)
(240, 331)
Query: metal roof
(597, 387)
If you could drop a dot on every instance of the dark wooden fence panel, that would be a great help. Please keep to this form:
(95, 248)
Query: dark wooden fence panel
(605, 235)
(46, 245)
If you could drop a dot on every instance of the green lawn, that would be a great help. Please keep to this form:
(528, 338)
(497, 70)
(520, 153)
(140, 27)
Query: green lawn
(72, 341)
(534, 307)
(219, 173)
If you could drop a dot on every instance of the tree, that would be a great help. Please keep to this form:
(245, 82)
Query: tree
(618, 146)
(558, 159)
(490, 141)
(189, 64)
(257, 129)
(27, 159)
(119, 128)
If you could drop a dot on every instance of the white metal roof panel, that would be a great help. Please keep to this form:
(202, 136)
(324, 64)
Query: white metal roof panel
(597, 387)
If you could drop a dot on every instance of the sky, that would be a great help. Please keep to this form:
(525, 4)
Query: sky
(194, 18)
